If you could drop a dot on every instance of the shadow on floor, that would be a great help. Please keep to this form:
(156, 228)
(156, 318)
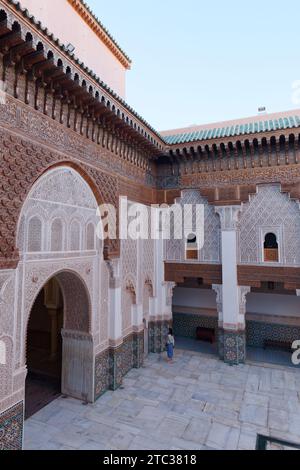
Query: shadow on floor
(39, 392)
(270, 356)
(190, 344)
(266, 356)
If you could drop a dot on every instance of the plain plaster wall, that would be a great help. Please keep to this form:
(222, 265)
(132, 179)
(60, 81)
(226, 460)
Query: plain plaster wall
(64, 22)
(197, 298)
(273, 304)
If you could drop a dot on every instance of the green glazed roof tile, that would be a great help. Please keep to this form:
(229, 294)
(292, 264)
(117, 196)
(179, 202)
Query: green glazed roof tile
(236, 130)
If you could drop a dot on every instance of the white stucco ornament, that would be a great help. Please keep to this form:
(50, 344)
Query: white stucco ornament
(2, 353)
(2, 93)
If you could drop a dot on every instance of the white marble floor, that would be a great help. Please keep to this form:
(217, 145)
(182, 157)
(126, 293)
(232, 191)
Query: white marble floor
(196, 403)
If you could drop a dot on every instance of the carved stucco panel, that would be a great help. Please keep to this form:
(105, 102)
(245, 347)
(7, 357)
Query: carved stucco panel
(7, 302)
(269, 211)
(210, 252)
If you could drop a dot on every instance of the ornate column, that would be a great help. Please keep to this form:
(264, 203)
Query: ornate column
(115, 325)
(231, 297)
(219, 291)
(160, 317)
(115, 312)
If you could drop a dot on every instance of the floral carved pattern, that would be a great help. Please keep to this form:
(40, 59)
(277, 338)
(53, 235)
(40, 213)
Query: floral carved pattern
(22, 163)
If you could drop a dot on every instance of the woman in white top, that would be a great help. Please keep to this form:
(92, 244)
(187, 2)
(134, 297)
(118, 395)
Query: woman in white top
(170, 345)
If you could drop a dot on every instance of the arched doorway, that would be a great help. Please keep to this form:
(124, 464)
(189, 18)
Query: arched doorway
(44, 348)
(196, 316)
(59, 353)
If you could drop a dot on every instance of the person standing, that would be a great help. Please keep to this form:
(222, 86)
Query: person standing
(170, 345)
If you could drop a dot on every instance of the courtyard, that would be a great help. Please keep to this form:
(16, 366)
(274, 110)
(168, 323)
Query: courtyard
(196, 403)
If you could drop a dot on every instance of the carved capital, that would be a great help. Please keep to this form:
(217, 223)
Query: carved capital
(218, 288)
(243, 291)
(170, 286)
(114, 273)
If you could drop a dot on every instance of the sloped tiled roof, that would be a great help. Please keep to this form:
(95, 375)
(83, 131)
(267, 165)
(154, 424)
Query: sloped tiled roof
(234, 129)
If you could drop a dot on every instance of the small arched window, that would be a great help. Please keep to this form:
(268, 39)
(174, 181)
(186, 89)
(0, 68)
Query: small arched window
(271, 251)
(57, 235)
(34, 235)
(192, 247)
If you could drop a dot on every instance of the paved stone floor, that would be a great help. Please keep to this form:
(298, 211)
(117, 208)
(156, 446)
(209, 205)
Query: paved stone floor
(196, 403)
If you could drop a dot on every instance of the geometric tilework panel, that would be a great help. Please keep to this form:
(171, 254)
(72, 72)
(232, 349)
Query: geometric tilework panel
(258, 332)
(11, 428)
(185, 325)
(101, 373)
(114, 363)
(127, 355)
(138, 349)
(232, 346)
(158, 332)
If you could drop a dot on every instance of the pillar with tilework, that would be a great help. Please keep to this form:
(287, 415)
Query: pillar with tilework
(231, 297)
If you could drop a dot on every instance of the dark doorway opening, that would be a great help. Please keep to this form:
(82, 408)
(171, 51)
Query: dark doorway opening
(44, 349)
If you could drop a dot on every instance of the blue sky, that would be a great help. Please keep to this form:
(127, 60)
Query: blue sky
(196, 61)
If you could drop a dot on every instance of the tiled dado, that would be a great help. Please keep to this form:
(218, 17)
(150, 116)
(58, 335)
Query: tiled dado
(158, 332)
(138, 349)
(102, 376)
(258, 333)
(11, 428)
(114, 363)
(186, 324)
(232, 346)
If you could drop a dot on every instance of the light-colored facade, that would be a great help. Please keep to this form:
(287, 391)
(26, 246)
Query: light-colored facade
(72, 23)
(68, 144)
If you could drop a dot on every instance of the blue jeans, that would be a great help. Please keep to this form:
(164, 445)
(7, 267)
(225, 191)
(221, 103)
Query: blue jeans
(170, 351)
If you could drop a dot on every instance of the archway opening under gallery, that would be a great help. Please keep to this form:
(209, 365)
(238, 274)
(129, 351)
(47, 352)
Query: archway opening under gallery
(44, 348)
(272, 324)
(195, 317)
(59, 348)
